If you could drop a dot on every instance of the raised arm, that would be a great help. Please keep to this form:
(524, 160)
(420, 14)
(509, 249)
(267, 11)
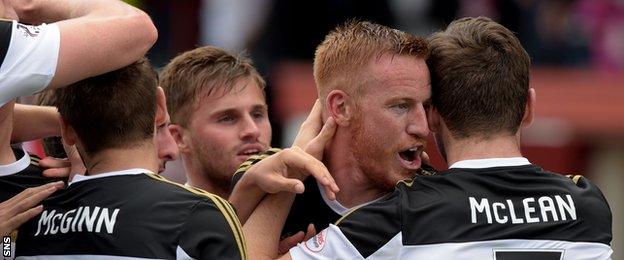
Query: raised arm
(96, 36)
(34, 122)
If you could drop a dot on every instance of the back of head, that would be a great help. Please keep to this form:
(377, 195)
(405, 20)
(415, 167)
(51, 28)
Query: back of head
(112, 110)
(479, 78)
(341, 58)
(201, 72)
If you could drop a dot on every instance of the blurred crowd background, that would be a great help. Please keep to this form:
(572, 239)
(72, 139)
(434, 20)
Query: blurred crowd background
(576, 49)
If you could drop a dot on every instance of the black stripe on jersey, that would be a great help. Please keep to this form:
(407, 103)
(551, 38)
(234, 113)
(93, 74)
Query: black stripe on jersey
(6, 29)
(369, 228)
(222, 205)
(519, 202)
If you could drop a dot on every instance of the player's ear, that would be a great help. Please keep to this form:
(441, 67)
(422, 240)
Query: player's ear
(181, 137)
(161, 107)
(68, 134)
(529, 110)
(339, 105)
(433, 119)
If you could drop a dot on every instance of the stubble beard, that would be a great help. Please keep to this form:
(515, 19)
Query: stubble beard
(365, 149)
(215, 170)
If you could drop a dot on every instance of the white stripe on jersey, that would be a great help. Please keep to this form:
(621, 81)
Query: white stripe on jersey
(332, 244)
(488, 249)
(181, 255)
(327, 244)
(80, 257)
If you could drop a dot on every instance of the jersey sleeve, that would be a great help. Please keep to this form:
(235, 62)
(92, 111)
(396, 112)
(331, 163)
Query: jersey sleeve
(212, 232)
(29, 58)
(250, 162)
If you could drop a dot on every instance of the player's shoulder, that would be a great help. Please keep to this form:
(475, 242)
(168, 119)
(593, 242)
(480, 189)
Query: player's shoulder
(369, 227)
(175, 190)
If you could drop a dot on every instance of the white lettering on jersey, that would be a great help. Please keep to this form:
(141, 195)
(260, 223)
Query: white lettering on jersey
(74, 220)
(541, 209)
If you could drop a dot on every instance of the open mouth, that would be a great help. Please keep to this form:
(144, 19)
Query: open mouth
(410, 158)
(249, 152)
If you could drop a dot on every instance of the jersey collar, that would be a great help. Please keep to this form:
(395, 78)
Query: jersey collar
(81, 178)
(491, 162)
(336, 206)
(17, 166)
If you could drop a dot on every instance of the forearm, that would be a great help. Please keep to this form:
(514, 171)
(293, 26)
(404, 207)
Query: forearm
(49, 11)
(245, 197)
(34, 122)
(263, 228)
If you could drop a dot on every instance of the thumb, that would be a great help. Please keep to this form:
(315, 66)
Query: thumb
(317, 145)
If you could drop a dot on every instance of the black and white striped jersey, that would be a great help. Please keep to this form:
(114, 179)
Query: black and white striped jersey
(20, 175)
(28, 58)
(312, 206)
(132, 214)
(499, 209)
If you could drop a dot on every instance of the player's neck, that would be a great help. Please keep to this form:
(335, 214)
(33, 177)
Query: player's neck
(197, 180)
(118, 159)
(502, 146)
(6, 128)
(355, 187)
(197, 177)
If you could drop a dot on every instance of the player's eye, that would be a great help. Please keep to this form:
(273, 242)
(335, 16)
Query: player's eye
(226, 119)
(258, 114)
(400, 107)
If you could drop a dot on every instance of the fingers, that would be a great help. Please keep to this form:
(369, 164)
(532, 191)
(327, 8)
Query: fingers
(317, 145)
(275, 183)
(29, 192)
(19, 209)
(33, 196)
(310, 127)
(55, 167)
(57, 172)
(310, 232)
(424, 156)
(51, 162)
(296, 159)
(16, 221)
(289, 242)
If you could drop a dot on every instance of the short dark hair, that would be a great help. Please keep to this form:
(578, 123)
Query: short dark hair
(112, 110)
(479, 77)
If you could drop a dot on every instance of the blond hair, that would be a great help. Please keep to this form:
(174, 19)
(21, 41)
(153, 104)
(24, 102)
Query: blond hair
(200, 72)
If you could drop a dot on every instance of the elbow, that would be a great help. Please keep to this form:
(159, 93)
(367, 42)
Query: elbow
(150, 30)
(149, 33)
(142, 34)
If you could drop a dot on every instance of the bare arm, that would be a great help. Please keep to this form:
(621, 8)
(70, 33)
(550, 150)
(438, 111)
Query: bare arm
(34, 122)
(97, 36)
(263, 227)
(262, 230)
